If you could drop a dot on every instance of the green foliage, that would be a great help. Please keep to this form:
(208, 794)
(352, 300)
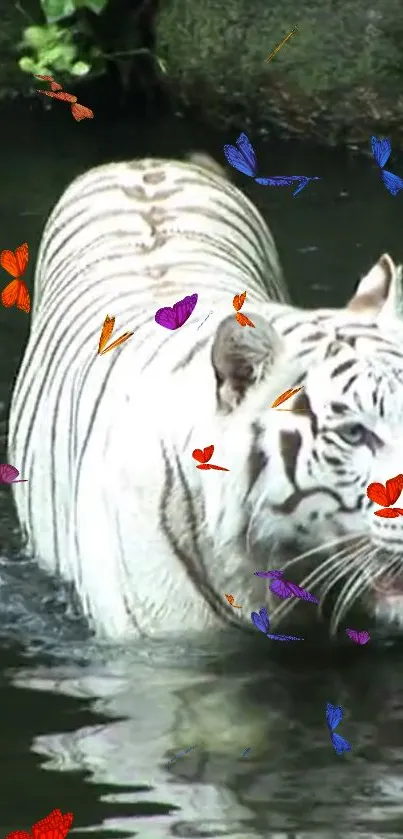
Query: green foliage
(53, 51)
(55, 10)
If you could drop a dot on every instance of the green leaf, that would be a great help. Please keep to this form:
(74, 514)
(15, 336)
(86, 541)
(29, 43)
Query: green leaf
(26, 64)
(58, 9)
(80, 68)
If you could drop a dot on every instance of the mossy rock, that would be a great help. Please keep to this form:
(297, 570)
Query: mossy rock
(336, 80)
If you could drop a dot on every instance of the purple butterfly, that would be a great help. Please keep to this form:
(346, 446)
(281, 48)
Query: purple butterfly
(244, 159)
(262, 622)
(9, 473)
(175, 316)
(359, 636)
(285, 588)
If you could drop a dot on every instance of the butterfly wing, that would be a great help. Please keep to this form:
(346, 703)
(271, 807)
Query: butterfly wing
(117, 342)
(247, 150)
(392, 182)
(376, 492)
(9, 263)
(261, 620)
(235, 159)
(358, 636)
(285, 637)
(286, 395)
(243, 320)
(302, 593)
(334, 715)
(280, 589)
(54, 826)
(166, 317)
(340, 745)
(204, 466)
(303, 184)
(21, 258)
(8, 473)
(239, 300)
(23, 299)
(394, 487)
(218, 468)
(106, 333)
(381, 148)
(274, 573)
(208, 452)
(389, 512)
(198, 455)
(18, 834)
(81, 112)
(184, 308)
(9, 294)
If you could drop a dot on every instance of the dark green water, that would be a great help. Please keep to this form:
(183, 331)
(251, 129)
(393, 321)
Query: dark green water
(91, 729)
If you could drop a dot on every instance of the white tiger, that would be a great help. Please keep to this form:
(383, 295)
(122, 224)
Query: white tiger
(114, 501)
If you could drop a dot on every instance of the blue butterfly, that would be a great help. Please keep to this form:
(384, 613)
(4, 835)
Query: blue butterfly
(334, 715)
(381, 149)
(244, 159)
(262, 622)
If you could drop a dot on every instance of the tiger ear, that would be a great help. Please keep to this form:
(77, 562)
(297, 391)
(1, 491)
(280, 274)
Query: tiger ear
(241, 356)
(378, 293)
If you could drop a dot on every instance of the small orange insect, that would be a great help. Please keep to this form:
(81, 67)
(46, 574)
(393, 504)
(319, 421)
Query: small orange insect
(203, 455)
(237, 303)
(283, 398)
(106, 333)
(79, 111)
(230, 598)
(16, 292)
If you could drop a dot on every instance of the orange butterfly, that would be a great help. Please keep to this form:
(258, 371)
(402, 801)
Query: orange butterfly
(237, 303)
(79, 111)
(386, 495)
(16, 292)
(54, 826)
(203, 455)
(230, 598)
(106, 333)
(287, 395)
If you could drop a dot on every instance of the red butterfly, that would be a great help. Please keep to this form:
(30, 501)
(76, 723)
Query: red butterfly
(203, 455)
(79, 111)
(237, 303)
(54, 826)
(386, 495)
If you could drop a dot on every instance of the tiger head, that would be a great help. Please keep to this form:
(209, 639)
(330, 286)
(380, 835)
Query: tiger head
(301, 501)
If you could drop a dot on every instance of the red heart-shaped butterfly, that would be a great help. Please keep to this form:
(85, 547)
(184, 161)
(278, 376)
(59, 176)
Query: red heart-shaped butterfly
(388, 494)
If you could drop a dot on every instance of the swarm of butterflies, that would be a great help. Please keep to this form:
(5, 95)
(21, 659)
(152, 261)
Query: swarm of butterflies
(284, 589)
(381, 149)
(54, 826)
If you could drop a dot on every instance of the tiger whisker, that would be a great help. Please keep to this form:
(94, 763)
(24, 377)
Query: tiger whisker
(348, 595)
